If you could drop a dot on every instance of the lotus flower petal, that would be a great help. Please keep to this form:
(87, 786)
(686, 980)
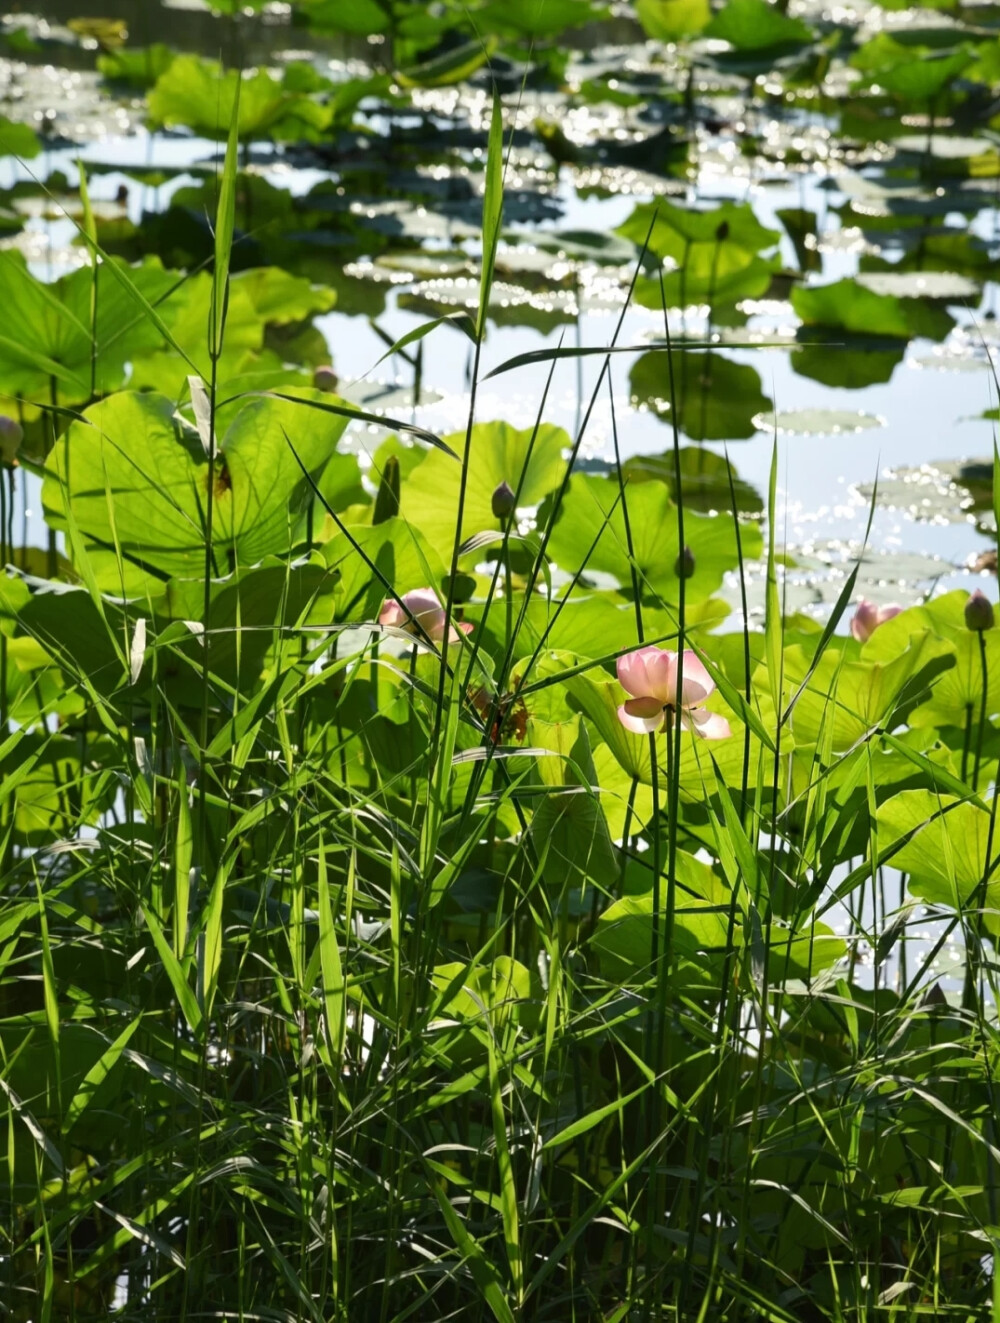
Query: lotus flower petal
(696, 683)
(709, 725)
(642, 716)
(649, 673)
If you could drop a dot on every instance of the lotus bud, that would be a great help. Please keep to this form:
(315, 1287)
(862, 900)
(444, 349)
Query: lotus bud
(684, 564)
(387, 497)
(11, 436)
(324, 378)
(504, 502)
(979, 612)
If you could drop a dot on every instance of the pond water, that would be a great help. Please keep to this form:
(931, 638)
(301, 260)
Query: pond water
(908, 198)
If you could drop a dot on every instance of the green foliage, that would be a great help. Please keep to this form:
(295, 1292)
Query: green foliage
(356, 960)
(199, 95)
(667, 20)
(755, 25)
(134, 474)
(848, 306)
(714, 399)
(136, 66)
(909, 72)
(17, 139)
(53, 349)
(496, 453)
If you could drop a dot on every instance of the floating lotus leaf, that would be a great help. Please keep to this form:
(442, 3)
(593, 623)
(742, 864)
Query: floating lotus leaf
(674, 229)
(705, 479)
(717, 277)
(18, 140)
(850, 306)
(717, 399)
(818, 422)
(909, 72)
(920, 284)
(851, 363)
(934, 492)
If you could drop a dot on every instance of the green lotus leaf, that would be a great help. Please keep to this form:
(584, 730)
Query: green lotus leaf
(497, 453)
(716, 276)
(667, 20)
(258, 300)
(616, 792)
(402, 554)
(845, 699)
(598, 697)
(46, 342)
(568, 827)
(480, 1000)
(848, 306)
(197, 94)
(18, 139)
(34, 685)
(77, 634)
(527, 18)
(946, 853)
(755, 25)
(718, 399)
(360, 18)
(800, 226)
(136, 475)
(56, 793)
(705, 479)
(653, 524)
(136, 65)
(908, 71)
(624, 934)
(590, 624)
(852, 363)
(730, 225)
(960, 688)
(250, 611)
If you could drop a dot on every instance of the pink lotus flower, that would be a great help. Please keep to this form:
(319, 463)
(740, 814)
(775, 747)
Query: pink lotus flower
(424, 606)
(868, 617)
(650, 676)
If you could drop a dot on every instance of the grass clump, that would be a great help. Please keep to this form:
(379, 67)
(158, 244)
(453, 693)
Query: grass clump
(414, 907)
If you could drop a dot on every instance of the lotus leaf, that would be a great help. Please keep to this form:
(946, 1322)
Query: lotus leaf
(754, 25)
(945, 853)
(496, 453)
(198, 94)
(717, 399)
(134, 454)
(667, 20)
(672, 230)
(653, 523)
(17, 139)
(51, 357)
